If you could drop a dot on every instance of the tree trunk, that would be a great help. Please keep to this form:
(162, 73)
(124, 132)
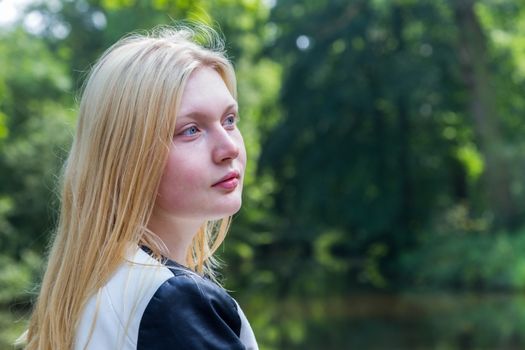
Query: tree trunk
(472, 52)
(406, 214)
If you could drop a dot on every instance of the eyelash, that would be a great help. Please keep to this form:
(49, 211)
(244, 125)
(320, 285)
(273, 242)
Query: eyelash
(233, 117)
(185, 131)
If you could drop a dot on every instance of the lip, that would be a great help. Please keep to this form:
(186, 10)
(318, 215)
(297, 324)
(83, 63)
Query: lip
(229, 181)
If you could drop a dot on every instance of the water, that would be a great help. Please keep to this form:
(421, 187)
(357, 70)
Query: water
(391, 322)
(438, 321)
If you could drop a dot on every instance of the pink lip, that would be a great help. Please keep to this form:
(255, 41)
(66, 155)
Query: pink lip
(228, 182)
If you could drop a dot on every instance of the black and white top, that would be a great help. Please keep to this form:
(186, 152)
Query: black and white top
(148, 305)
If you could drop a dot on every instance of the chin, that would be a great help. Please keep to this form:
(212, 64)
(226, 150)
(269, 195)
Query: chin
(227, 210)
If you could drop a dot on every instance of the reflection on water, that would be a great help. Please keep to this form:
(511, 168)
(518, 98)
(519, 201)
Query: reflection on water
(376, 322)
(387, 322)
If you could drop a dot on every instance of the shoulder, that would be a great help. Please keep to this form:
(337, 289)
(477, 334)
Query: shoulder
(185, 288)
(148, 305)
(111, 317)
(190, 312)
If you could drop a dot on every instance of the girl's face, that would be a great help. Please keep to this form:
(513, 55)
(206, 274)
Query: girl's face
(205, 169)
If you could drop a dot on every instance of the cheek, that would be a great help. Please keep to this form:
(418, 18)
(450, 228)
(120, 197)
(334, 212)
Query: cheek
(178, 181)
(242, 151)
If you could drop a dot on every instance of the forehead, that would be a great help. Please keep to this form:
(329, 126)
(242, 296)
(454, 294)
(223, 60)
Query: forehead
(205, 92)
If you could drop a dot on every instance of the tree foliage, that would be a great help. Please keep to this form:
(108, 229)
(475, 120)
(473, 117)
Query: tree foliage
(395, 115)
(370, 126)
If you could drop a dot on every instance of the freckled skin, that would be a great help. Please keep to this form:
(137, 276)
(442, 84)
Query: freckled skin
(207, 145)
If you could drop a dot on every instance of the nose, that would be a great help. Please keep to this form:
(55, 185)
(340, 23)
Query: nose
(226, 147)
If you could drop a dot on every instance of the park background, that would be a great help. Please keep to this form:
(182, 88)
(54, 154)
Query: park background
(384, 203)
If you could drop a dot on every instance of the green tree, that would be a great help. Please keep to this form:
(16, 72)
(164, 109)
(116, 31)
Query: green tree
(375, 143)
(35, 91)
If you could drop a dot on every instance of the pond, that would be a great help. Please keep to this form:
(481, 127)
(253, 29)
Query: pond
(440, 321)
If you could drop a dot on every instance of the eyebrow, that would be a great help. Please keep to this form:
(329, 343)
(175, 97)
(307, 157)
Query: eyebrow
(199, 114)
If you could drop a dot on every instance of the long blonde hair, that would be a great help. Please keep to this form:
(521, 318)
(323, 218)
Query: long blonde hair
(126, 123)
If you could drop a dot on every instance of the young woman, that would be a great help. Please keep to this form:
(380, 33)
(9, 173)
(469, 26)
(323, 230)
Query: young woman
(153, 176)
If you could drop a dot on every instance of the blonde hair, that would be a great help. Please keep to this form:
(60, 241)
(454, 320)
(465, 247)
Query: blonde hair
(126, 123)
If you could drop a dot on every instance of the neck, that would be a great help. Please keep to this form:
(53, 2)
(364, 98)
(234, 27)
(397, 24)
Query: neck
(176, 233)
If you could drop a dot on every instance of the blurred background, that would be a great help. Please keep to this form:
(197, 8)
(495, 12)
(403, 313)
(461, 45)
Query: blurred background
(384, 202)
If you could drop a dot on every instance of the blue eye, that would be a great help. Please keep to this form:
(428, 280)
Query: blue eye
(230, 120)
(192, 130)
